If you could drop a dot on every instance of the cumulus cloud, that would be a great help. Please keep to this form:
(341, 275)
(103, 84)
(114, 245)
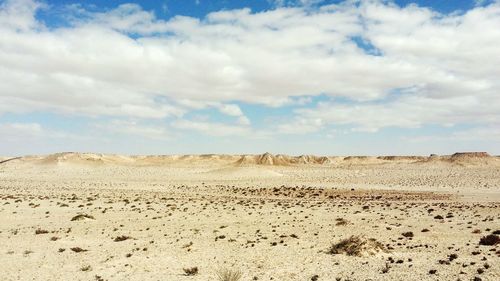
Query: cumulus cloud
(21, 129)
(212, 128)
(19, 132)
(396, 66)
(403, 112)
(134, 128)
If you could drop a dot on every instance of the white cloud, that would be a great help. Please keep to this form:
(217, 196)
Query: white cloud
(233, 110)
(445, 65)
(19, 14)
(211, 128)
(489, 134)
(281, 3)
(404, 112)
(301, 125)
(18, 132)
(20, 129)
(230, 109)
(134, 128)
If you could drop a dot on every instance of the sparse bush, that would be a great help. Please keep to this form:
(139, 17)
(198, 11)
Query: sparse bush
(80, 217)
(489, 240)
(191, 271)
(78, 249)
(122, 238)
(386, 268)
(41, 231)
(408, 234)
(356, 246)
(341, 221)
(229, 274)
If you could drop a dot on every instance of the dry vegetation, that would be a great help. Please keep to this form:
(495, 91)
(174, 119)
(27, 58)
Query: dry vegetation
(356, 246)
(226, 274)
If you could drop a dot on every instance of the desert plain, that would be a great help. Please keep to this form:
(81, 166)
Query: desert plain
(84, 216)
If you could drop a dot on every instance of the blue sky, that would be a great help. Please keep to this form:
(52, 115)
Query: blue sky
(296, 77)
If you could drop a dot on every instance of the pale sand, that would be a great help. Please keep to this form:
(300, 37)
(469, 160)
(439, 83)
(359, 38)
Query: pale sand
(271, 217)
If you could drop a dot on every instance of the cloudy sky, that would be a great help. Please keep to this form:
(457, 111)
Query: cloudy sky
(296, 77)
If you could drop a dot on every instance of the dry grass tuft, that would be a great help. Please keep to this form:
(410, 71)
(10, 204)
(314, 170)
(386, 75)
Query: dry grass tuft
(86, 268)
(356, 246)
(225, 274)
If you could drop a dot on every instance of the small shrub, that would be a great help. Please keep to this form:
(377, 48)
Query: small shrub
(122, 238)
(356, 246)
(408, 234)
(191, 271)
(41, 231)
(489, 240)
(341, 221)
(86, 268)
(78, 249)
(80, 217)
(229, 275)
(386, 268)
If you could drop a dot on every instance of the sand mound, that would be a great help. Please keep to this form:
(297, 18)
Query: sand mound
(358, 246)
(470, 155)
(84, 158)
(281, 160)
(311, 159)
(152, 160)
(464, 159)
(361, 160)
(264, 159)
(402, 158)
(69, 156)
(269, 159)
(155, 160)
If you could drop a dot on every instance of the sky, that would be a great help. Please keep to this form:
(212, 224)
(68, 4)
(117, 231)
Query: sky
(292, 76)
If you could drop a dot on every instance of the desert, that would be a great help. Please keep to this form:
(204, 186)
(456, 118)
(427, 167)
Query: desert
(265, 140)
(84, 216)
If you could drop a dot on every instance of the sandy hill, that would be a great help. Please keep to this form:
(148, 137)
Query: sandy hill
(280, 160)
(464, 159)
(266, 159)
(402, 158)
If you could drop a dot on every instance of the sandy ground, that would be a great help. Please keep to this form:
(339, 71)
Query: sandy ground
(149, 218)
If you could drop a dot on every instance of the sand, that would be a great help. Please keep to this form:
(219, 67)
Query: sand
(84, 216)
